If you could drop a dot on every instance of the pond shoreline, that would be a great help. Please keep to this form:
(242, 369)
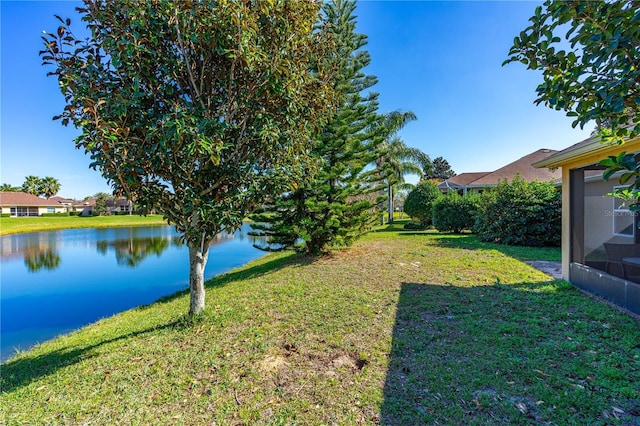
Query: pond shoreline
(71, 278)
(22, 225)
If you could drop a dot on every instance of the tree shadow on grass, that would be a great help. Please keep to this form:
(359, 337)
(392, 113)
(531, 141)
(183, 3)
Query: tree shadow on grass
(490, 354)
(21, 371)
(398, 226)
(242, 274)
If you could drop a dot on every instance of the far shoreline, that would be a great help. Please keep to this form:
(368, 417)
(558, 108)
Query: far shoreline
(21, 225)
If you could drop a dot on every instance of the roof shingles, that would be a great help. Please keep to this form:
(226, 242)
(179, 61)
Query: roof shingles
(23, 199)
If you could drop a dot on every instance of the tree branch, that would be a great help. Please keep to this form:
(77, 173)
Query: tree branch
(186, 58)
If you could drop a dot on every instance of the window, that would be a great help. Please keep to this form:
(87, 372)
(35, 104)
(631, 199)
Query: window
(24, 211)
(623, 218)
(51, 209)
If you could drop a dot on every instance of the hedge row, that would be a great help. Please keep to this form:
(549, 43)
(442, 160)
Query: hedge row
(513, 213)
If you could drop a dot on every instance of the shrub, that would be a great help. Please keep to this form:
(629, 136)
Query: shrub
(453, 213)
(520, 213)
(55, 214)
(75, 213)
(5, 214)
(419, 202)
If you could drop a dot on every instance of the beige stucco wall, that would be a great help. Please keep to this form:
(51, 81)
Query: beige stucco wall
(41, 210)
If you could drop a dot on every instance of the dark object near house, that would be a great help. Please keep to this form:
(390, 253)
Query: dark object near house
(620, 263)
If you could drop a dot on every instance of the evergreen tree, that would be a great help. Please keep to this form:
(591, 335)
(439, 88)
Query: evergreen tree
(337, 203)
(441, 170)
(101, 204)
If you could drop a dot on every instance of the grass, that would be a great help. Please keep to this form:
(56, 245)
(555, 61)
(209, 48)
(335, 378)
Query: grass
(15, 225)
(403, 328)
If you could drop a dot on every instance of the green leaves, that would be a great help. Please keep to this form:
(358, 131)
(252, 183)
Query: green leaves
(46, 187)
(598, 78)
(420, 200)
(614, 164)
(628, 164)
(186, 80)
(199, 110)
(520, 213)
(336, 202)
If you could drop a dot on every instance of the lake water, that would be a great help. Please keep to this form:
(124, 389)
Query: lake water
(54, 282)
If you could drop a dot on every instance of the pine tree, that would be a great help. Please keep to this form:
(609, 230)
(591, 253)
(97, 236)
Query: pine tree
(441, 170)
(338, 201)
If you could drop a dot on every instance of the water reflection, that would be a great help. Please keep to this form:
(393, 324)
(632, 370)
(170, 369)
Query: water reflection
(39, 251)
(54, 282)
(134, 250)
(41, 259)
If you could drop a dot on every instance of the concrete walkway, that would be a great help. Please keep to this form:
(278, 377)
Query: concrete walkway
(550, 268)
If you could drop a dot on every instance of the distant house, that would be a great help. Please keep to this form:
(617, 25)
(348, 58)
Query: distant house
(21, 204)
(65, 202)
(475, 182)
(113, 206)
(460, 182)
(119, 205)
(84, 207)
(600, 238)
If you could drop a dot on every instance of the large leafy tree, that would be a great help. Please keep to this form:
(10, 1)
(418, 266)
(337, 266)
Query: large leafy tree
(588, 52)
(398, 159)
(332, 207)
(196, 109)
(589, 55)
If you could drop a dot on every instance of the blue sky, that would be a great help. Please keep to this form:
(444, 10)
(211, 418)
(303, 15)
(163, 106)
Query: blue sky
(441, 60)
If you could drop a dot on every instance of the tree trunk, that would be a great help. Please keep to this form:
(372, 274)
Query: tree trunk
(197, 262)
(390, 192)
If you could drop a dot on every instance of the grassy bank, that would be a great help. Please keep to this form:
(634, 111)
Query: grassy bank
(16, 225)
(403, 328)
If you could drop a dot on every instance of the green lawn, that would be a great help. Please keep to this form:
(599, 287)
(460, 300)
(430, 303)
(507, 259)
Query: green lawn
(15, 225)
(401, 329)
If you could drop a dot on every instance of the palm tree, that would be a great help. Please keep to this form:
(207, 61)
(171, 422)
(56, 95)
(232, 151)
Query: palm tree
(49, 187)
(6, 187)
(31, 185)
(398, 159)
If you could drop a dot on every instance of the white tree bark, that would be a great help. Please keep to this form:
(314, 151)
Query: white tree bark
(197, 261)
